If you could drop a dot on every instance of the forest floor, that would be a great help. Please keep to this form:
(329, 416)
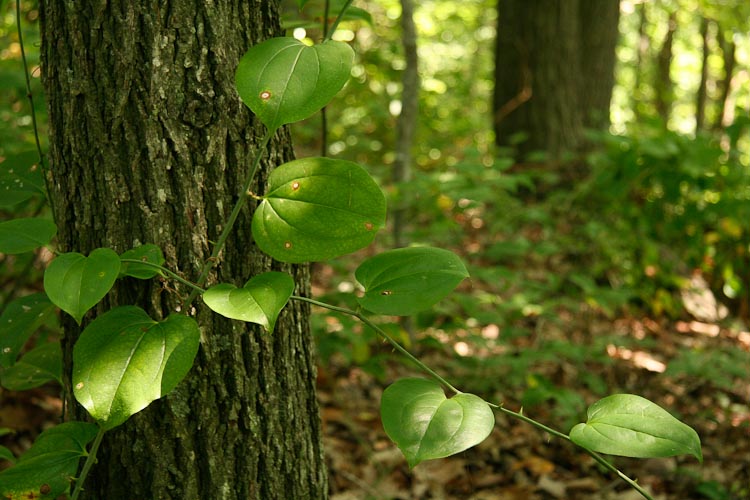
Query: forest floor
(520, 462)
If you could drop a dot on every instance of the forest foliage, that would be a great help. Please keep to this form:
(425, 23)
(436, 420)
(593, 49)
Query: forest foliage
(661, 212)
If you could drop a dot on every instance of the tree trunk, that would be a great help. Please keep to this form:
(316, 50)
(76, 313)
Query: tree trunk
(149, 143)
(663, 84)
(407, 119)
(554, 66)
(700, 98)
(728, 49)
(597, 60)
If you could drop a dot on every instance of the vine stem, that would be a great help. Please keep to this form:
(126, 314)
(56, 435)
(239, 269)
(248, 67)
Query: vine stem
(166, 271)
(337, 21)
(383, 334)
(520, 416)
(601, 460)
(30, 97)
(241, 200)
(90, 460)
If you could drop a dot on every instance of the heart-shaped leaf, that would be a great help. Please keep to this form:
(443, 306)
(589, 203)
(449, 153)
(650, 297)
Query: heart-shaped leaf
(20, 178)
(426, 425)
(45, 470)
(124, 360)
(282, 80)
(75, 283)
(19, 321)
(632, 426)
(317, 209)
(408, 280)
(259, 301)
(37, 367)
(145, 253)
(24, 235)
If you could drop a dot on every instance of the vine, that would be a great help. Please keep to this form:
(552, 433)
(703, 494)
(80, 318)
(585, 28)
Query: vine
(341, 211)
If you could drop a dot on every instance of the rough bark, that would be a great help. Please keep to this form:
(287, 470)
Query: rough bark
(149, 143)
(554, 66)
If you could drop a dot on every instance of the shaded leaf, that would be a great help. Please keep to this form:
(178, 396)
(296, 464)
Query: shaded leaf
(25, 234)
(37, 367)
(75, 283)
(426, 425)
(124, 360)
(20, 178)
(19, 321)
(47, 468)
(317, 209)
(7, 455)
(259, 301)
(282, 80)
(632, 426)
(408, 280)
(145, 253)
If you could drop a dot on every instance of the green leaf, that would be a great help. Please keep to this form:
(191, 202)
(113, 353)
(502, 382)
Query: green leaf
(124, 360)
(145, 253)
(75, 283)
(6, 454)
(301, 3)
(24, 235)
(317, 209)
(20, 178)
(35, 368)
(282, 80)
(426, 425)
(408, 280)
(632, 426)
(259, 301)
(47, 467)
(19, 321)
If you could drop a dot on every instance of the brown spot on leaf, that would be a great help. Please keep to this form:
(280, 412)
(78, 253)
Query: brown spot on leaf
(386, 292)
(295, 185)
(265, 95)
(368, 226)
(288, 245)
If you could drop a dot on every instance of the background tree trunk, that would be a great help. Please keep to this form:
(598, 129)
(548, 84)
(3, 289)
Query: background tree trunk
(700, 97)
(407, 119)
(149, 143)
(554, 67)
(663, 83)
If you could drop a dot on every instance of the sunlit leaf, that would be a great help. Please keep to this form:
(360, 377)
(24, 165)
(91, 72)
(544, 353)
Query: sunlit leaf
(259, 301)
(282, 80)
(632, 426)
(26, 234)
(426, 425)
(76, 283)
(19, 321)
(145, 253)
(46, 470)
(317, 209)
(37, 367)
(408, 280)
(124, 360)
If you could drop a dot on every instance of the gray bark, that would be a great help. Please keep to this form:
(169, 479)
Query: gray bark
(149, 143)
